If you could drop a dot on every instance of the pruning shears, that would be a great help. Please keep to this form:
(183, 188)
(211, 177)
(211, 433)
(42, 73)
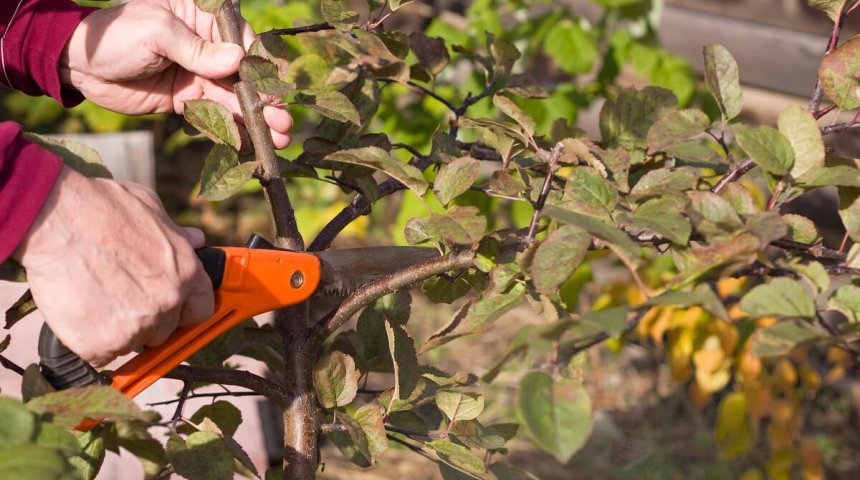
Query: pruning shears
(248, 281)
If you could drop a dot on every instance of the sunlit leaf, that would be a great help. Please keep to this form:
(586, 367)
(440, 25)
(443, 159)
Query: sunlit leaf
(663, 216)
(846, 299)
(588, 192)
(458, 456)
(76, 155)
(264, 76)
(675, 126)
(782, 337)
(734, 431)
(330, 104)
(838, 74)
(459, 406)
(802, 132)
(379, 159)
(70, 407)
(626, 121)
(509, 108)
(223, 176)
(336, 380)
(455, 178)
(202, 455)
(767, 147)
(662, 181)
(801, 229)
(558, 256)
(781, 297)
(213, 120)
(556, 414)
(722, 80)
(336, 13)
(572, 48)
(618, 240)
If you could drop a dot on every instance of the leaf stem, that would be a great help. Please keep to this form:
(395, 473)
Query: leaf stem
(316, 27)
(236, 378)
(544, 192)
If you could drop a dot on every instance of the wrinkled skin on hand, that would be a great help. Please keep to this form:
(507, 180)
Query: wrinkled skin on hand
(150, 56)
(110, 271)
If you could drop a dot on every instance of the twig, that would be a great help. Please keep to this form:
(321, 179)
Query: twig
(413, 433)
(414, 448)
(735, 173)
(832, 42)
(422, 90)
(839, 127)
(544, 193)
(208, 395)
(721, 139)
(332, 427)
(316, 27)
(180, 405)
(777, 191)
(835, 333)
(359, 206)
(368, 293)
(9, 364)
(237, 378)
(816, 251)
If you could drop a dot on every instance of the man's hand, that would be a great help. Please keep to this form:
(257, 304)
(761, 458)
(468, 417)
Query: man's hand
(110, 271)
(150, 56)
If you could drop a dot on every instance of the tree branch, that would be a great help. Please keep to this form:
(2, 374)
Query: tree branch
(316, 27)
(422, 90)
(818, 252)
(365, 295)
(733, 175)
(839, 128)
(286, 230)
(10, 365)
(544, 193)
(237, 378)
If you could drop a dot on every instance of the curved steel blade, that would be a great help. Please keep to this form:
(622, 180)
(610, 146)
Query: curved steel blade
(344, 270)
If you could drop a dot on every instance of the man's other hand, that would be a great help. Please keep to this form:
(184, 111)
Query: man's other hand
(109, 270)
(149, 56)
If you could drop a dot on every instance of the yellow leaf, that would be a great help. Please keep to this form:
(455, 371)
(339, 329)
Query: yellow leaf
(713, 369)
(779, 436)
(784, 375)
(749, 366)
(700, 397)
(727, 287)
(758, 402)
(779, 467)
(729, 335)
(736, 313)
(752, 474)
(734, 431)
(783, 411)
(811, 378)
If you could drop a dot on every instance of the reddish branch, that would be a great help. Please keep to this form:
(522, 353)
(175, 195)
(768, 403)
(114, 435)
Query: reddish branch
(735, 173)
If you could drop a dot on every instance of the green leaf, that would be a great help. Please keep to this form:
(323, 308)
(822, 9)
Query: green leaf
(849, 211)
(767, 226)
(395, 4)
(12, 271)
(264, 76)
(20, 309)
(618, 241)
(222, 413)
(833, 8)
(674, 127)
(846, 299)
(458, 406)
(505, 55)
(780, 338)
(722, 80)
(626, 121)
(588, 192)
(17, 424)
(838, 74)
(92, 454)
(77, 156)
(572, 48)
(455, 178)
(330, 104)
(839, 175)
(353, 443)
(445, 290)
(701, 295)
(740, 198)
(370, 418)
(34, 383)
(767, 147)
(223, 176)
(613, 321)
(336, 13)
(662, 216)
(712, 215)
(336, 380)
(202, 455)
(459, 225)
(214, 121)
(734, 431)
(308, 72)
(69, 407)
(802, 132)
(557, 415)
(814, 273)
(458, 457)
(33, 462)
(509, 108)
(782, 297)
(663, 181)
(210, 6)
(801, 229)
(432, 53)
(474, 435)
(557, 257)
(134, 437)
(379, 159)
(401, 347)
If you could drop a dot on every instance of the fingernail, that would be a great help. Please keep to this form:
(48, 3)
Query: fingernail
(229, 54)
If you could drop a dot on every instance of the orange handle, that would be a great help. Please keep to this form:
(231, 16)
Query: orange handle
(255, 281)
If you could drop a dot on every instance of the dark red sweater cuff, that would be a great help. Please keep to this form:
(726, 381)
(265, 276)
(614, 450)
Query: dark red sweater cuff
(34, 38)
(27, 176)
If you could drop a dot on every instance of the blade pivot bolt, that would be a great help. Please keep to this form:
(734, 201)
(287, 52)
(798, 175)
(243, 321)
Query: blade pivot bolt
(297, 279)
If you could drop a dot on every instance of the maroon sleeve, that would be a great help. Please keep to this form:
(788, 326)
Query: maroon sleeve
(33, 34)
(27, 175)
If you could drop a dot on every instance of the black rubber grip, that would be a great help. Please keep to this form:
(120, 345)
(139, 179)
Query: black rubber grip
(64, 369)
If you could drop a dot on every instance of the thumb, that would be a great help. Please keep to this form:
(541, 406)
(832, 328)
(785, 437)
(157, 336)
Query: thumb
(207, 59)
